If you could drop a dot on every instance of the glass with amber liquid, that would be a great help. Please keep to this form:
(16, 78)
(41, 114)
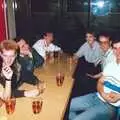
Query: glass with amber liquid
(10, 105)
(59, 79)
(47, 56)
(37, 105)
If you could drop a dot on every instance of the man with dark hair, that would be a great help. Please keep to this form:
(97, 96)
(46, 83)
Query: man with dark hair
(28, 62)
(27, 56)
(88, 56)
(45, 45)
(89, 53)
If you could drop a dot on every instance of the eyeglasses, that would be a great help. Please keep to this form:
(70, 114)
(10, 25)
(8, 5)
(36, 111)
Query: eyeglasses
(89, 36)
(104, 42)
(116, 48)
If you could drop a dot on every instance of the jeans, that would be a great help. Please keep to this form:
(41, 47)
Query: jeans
(118, 115)
(90, 107)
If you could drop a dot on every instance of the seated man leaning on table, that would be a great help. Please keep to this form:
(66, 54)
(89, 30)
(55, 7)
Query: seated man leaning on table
(26, 56)
(10, 72)
(28, 62)
(101, 105)
(45, 45)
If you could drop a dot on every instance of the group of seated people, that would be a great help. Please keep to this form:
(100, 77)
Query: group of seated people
(97, 76)
(18, 62)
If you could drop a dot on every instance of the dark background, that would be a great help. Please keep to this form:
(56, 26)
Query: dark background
(68, 19)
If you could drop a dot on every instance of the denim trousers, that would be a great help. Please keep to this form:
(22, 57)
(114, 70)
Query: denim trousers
(90, 107)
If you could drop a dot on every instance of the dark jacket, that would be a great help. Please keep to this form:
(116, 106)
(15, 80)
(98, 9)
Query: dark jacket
(16, 67)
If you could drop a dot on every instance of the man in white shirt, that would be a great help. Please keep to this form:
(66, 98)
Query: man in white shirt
(103, 104)
(45, 45)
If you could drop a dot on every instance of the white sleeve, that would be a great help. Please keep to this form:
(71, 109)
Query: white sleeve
(57, 48)
(80, 52)
(39, 47)
(53, 48)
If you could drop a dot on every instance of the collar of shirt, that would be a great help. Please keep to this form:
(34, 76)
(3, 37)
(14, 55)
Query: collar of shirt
(45, 43)
(93, 47)
(108, 52)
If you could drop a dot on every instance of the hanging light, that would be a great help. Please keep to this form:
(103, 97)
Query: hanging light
(100, 4)
(100, 7)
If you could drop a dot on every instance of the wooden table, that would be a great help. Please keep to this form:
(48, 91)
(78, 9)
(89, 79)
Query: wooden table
(55, 98)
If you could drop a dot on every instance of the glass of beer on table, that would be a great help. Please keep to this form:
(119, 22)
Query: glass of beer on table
(59, 79)
(37, 104)
(10, 105)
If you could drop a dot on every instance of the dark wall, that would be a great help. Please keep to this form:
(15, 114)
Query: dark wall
(23, 19)
(68, 19)
(32, 20)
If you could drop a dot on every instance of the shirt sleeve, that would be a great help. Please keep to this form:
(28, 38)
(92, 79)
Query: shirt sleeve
(40, 48)
(80, 52)
(53, 48)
